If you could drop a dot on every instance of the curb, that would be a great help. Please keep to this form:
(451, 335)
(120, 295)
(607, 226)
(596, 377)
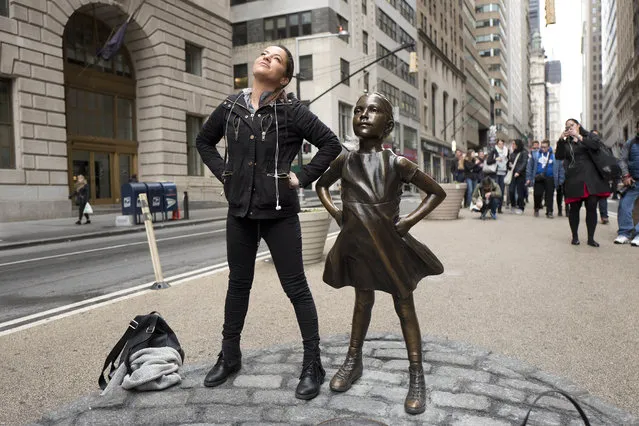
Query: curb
(109, 233)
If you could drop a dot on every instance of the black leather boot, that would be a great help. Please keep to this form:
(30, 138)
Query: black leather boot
(348, 373)
(311, 379)
(221, 371)
(415, 402)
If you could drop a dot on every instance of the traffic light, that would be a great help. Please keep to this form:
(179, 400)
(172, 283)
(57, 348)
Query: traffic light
(412, 67)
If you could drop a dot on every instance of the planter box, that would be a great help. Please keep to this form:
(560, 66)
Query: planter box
(314, 225)
(450, 207)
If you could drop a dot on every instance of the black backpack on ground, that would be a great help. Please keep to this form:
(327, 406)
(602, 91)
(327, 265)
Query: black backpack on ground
(145, 331)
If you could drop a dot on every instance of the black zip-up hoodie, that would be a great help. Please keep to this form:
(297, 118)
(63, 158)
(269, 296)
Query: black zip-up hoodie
(261, 148)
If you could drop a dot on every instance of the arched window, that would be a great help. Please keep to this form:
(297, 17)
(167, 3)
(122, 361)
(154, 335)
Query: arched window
(83, 36)
(100, 94)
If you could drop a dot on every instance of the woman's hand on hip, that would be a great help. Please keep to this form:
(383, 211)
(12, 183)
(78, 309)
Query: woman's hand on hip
(293, 181)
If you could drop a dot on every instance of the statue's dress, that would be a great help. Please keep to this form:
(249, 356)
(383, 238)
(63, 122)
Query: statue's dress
(369, 253)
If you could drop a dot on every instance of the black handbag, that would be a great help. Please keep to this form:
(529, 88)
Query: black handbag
(606, 164)
(145, 331)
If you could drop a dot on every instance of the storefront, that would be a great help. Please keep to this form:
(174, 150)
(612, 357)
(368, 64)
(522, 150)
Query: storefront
(438, 160)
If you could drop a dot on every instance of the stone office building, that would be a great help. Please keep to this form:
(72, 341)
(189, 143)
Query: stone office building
(63, 112)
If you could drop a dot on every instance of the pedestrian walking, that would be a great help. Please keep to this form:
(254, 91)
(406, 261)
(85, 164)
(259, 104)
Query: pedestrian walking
(584, 184)
(603, 201)
(629, 164)
(374, 250)
(500, 153)
(471, 172)
(559, 174)
(457, 167)
(263, 129)
(81, 194)
(517, 189)
(539, 174)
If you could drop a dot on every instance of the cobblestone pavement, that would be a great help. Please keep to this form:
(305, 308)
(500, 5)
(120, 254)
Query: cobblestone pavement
(466, 386)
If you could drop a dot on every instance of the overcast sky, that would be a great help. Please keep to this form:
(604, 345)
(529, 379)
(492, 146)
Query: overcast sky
(562, 41)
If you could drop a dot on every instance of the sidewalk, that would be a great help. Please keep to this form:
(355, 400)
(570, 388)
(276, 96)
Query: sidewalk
(36, 232)
(517, 311)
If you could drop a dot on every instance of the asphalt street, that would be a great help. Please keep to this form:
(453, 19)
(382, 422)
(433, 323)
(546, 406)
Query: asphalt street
(41, 278)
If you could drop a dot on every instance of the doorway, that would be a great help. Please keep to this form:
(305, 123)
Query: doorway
(100, 109)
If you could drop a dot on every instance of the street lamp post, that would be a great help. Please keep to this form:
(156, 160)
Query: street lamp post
(298, 81)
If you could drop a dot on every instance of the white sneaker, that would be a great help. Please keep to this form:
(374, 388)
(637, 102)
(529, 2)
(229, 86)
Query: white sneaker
(635, 241)
(622, 239)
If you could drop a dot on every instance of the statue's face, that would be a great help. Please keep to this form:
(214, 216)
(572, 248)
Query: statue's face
(370, 118)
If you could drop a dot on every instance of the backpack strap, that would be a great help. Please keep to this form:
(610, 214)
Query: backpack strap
(113, 355)
(574, 402)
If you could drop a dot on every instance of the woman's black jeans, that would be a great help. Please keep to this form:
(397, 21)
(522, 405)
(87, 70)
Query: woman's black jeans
(284, 239)
(517, 192)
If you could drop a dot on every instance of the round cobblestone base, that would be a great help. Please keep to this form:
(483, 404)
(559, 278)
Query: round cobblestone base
(466, 386)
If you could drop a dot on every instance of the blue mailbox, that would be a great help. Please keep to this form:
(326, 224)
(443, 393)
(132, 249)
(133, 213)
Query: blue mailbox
(130, 202)
(170, 197)
(155, 193)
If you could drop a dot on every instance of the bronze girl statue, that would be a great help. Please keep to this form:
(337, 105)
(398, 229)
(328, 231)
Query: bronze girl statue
(374, 250)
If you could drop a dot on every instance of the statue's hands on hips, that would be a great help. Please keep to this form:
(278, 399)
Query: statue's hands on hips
(338, 217)
(402, 226)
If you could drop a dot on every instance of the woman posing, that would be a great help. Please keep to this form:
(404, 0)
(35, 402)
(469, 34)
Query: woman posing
(583, 184)
(263, 131)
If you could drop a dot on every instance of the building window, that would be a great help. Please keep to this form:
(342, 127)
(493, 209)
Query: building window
(306, 67)
(193, 59)
(445, 106)
(240, 76)
(409, 105)
(365, 42)
(364, 8)
(90, 114)
(7, 149)
(366, 81)
(386, 24)
(454, 118)
(269, 29)
(407, 12)
(432, 101)
(195, 167)
(4, 7)
(345, 112)
(345, 71)
(487, 23)
(390, 91)
(81, 41)
(240, 34)
(281, 31)
(125, 119)
(492, 7)
(294, 25)
(307, 27)
(342, 23)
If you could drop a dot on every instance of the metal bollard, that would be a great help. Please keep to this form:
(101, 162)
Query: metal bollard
(186, 205)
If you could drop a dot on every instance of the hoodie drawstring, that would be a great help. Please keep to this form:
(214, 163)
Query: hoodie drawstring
(277, 154)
